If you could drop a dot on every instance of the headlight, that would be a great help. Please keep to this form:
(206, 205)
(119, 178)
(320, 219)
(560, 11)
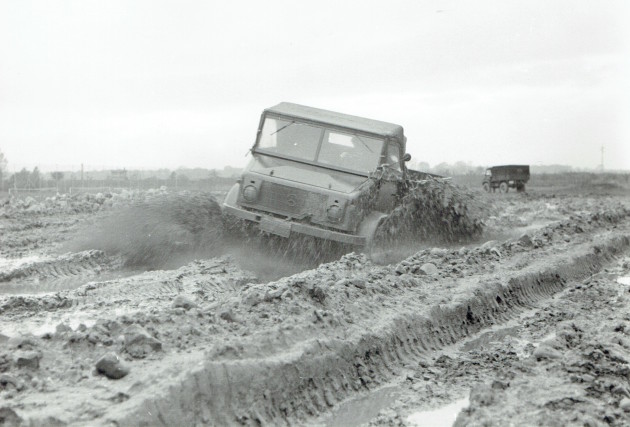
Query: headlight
(250, 193)
(334, 213)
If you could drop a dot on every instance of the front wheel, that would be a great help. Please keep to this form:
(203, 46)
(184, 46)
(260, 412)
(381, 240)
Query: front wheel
(503, 187)
(486, 187)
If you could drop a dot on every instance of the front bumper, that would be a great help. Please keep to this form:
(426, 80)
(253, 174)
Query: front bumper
(284, 228)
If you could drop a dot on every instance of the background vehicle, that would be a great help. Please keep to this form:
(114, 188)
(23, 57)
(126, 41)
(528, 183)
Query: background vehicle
(341, 178)
(506, 177)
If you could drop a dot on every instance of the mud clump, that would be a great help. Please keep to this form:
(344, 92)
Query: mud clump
(138, 342)
(111, 366)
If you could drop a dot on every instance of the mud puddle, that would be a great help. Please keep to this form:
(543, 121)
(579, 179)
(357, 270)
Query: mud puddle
(443, 416)
(362, 409)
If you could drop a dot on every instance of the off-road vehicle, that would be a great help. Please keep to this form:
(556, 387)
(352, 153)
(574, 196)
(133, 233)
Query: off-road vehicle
(506, 177)
(334, 176)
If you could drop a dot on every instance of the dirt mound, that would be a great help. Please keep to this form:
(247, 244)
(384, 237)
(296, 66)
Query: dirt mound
(158, 231)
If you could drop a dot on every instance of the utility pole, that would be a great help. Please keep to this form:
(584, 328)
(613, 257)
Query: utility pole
(601, 165)
(81, 175)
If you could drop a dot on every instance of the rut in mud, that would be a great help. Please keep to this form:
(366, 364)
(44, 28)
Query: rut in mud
(319, 374)
(286, 351)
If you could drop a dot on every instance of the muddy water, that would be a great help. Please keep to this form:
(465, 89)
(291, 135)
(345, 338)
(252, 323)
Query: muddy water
(362, 409)
(444, 416)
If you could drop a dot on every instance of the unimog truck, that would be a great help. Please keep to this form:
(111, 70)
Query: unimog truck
(332, 176)
(505, 177)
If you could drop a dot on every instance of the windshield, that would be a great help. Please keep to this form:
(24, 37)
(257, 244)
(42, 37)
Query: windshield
(316, 144)
(306, 174)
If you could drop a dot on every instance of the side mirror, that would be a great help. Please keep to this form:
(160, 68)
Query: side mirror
(406, 157)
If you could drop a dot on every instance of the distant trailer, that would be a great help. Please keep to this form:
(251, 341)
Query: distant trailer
(506, 177)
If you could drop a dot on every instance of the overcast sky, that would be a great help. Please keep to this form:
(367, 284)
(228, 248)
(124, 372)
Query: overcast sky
(164, 84)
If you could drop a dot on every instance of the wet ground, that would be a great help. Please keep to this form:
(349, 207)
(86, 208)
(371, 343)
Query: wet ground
(525, 325)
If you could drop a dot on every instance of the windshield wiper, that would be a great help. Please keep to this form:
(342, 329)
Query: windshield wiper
(363, 142)
(285, 126)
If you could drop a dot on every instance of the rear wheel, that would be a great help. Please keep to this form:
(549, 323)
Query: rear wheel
(520, 187)
(503, 187)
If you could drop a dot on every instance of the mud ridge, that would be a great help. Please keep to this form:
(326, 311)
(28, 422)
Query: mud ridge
(320, 373)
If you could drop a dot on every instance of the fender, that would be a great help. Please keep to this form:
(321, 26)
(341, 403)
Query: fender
(232, 195)
(368, 226)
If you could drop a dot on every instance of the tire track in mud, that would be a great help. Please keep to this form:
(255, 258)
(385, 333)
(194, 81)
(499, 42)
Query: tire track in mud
(287, 351)
(207, 280)
(313, 376)
(49, 274)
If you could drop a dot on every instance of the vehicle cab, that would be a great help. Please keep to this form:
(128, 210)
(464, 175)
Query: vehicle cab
(310, 173)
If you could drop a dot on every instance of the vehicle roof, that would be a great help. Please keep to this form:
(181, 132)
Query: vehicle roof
(339, 119)
(508, 166)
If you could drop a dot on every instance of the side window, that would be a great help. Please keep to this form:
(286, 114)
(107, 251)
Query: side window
(393, 156)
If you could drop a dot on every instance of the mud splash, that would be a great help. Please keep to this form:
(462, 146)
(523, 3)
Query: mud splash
(156, 232)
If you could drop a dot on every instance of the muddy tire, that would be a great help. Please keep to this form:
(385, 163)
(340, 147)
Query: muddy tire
(486, 187)
(520, 187)
(503, 187)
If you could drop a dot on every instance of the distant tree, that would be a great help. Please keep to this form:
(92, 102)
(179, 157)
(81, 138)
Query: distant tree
(460, 168)
(118, 175)
(3, 168)
(35, 178)
(21, 179)
(57, 176)
(423, 166)
(442, 169)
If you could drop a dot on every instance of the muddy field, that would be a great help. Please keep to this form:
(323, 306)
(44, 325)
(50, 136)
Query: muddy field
(527, 325)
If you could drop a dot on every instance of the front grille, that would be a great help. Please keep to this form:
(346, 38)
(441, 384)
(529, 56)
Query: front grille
(291, 201)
